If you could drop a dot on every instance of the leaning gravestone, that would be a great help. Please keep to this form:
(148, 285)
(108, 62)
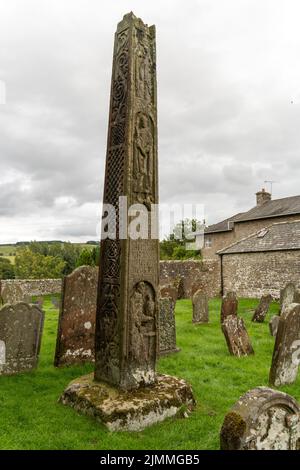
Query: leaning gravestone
(273, 325)
(236, 336)
(76, 326)
(286, 354)
(262, 419)
(125, 392)
(167, 326)
(229, 305)
(21, 327)
(262, 309)
(289, 295)
(200, 307)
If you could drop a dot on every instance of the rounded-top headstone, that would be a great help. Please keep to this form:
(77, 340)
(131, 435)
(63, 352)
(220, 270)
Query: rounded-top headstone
(229, 305)
(262, 419)
(200, 307)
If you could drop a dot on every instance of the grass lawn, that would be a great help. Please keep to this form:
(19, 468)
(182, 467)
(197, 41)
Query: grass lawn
(31, 418)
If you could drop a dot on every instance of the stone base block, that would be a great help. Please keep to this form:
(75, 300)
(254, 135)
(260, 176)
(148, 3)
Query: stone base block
(120, 410)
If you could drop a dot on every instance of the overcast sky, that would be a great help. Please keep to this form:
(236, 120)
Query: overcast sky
(228, 103)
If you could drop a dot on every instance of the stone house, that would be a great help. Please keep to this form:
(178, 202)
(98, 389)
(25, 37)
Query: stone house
(265, 213)
(264, 262)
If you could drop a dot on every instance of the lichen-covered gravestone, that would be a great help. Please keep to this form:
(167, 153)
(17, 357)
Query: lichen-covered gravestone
(125, 392)
(12, 293)
(21, 327)
(286, 354)
(229, 305)
(273, 325)
(289, 295)
(167, 326)
(262, 419)
(200, 307)
(76, 327)
(262, 309)
(236, 336)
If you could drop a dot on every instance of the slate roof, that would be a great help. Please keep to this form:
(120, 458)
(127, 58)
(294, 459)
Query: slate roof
(224, 226)
(278, 237)
(275, 208)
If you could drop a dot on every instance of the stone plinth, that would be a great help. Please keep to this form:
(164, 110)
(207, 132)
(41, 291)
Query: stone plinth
(121, 410)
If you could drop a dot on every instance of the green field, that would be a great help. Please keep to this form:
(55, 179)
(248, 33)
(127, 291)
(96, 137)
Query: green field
(31, 417)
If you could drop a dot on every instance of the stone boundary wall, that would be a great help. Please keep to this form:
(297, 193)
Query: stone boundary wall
(194, 275)
(32, 287)
(256, 274)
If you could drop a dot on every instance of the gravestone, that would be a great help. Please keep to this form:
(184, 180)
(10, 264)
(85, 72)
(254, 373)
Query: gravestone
(200, 307)
(167, 326)
(21, 327)
(55, 302)
(12, 293)
(236, 336)
(127, 394)
(229, 305)
(77, 317)
(262, 419)
(262, 309)
(289, 295)
(273, 325)
(169, 290)
(286, 354)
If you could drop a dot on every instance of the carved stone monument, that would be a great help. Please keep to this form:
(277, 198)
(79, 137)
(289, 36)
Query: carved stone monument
(126, 343)
(236, 336)
(286, 354)
(21, 327)
(75, 342)
(200, 307)
(289, 295)
(262, 419)
(229, 305)
(262, 309)
(167, 326)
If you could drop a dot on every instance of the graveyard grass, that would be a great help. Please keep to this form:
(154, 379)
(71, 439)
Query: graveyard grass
(31, 417)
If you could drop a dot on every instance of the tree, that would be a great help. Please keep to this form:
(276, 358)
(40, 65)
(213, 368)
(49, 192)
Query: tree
(175, 245)
(6, 269)
(31, 265)
(89, 257)
(66, 251)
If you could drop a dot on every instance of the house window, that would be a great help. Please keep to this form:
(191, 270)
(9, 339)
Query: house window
(208, 242)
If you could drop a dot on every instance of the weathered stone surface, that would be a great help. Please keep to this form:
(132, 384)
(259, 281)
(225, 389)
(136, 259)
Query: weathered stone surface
(195, 275)
(76, 327)
(273, 325)
(126, 344)
(200, 307)
(21, 327)
(229, 305)
(167, 326)
(169, 290)
(12, 293)
(130, 411)
(262, 419)
(236, 336)
(127, 316)
(289, 295)
(262, 309)
(32, 287)
(286, 354)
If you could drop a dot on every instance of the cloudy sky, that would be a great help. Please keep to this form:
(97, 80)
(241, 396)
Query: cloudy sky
(229, 107)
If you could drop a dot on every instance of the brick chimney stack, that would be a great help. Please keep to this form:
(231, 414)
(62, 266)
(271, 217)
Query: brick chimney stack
(262, 197)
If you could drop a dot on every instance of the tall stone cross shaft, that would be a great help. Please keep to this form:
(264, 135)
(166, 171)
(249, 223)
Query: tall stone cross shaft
(126, 324)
